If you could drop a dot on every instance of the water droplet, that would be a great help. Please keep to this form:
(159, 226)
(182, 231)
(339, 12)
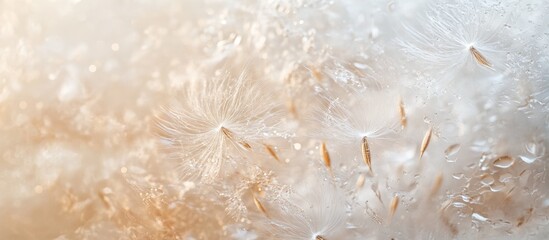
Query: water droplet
(237, 40)
(504, 162)
(498, 187)
(479, 217)
(528, 160)
(487, 180)
(506, 177)
(452, 149)
(458, 175)
(531, 148)
(459, 204)
(466, 198)
(360, 65)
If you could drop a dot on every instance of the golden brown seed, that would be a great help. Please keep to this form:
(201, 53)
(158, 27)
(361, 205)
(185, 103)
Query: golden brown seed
(436, 185)
(245, 145)
(316, 74)
(227, 133)
(425, 142)
(479, 57)
(403, 120)
(260, 206)
(230, 135)
(272, 152)
(360, 180)
(318, 237)
(104, 199)
(523, 219)
(326, 157)
(366, 156)
(508, 193)
(393, 206)
(453, 229)
(292, 108)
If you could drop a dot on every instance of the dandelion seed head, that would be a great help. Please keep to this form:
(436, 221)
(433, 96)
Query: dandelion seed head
(215, 121)
(366, 116)
(455, 32)
(309, 214)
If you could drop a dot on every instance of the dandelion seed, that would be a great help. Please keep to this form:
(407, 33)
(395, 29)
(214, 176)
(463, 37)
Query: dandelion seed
(292, 108)
(272, 152)
(436, 185)
(316, 74)
(318, 237)
(403, 120)
(317, 212)
(454, 35)
(523, 219)
(260, 206)
(360, 181)
(366, 156)
(480, 58)
(453, 229)
(425, 142)
(375, 190)
(373, 215)
(227, 133)
(245, 144)
(326, 157)
(213, 123)
(509, 193)
(360, 123)
(250, 180)
(393, 206)
(104, 199)
(231, 136)
(442, 210)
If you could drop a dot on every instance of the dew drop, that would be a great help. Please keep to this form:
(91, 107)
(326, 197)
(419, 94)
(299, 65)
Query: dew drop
(465, 198)
(531, 148)
(360, 65)
(457, 176)
(504, 162)
(528, 160)
(506, 177)
(459, 204)
(237, 40)
(497, 187)
(479, 217)
(452, 149)
(487, 180)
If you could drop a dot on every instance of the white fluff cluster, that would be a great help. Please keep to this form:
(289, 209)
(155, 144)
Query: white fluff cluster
(276, 119)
